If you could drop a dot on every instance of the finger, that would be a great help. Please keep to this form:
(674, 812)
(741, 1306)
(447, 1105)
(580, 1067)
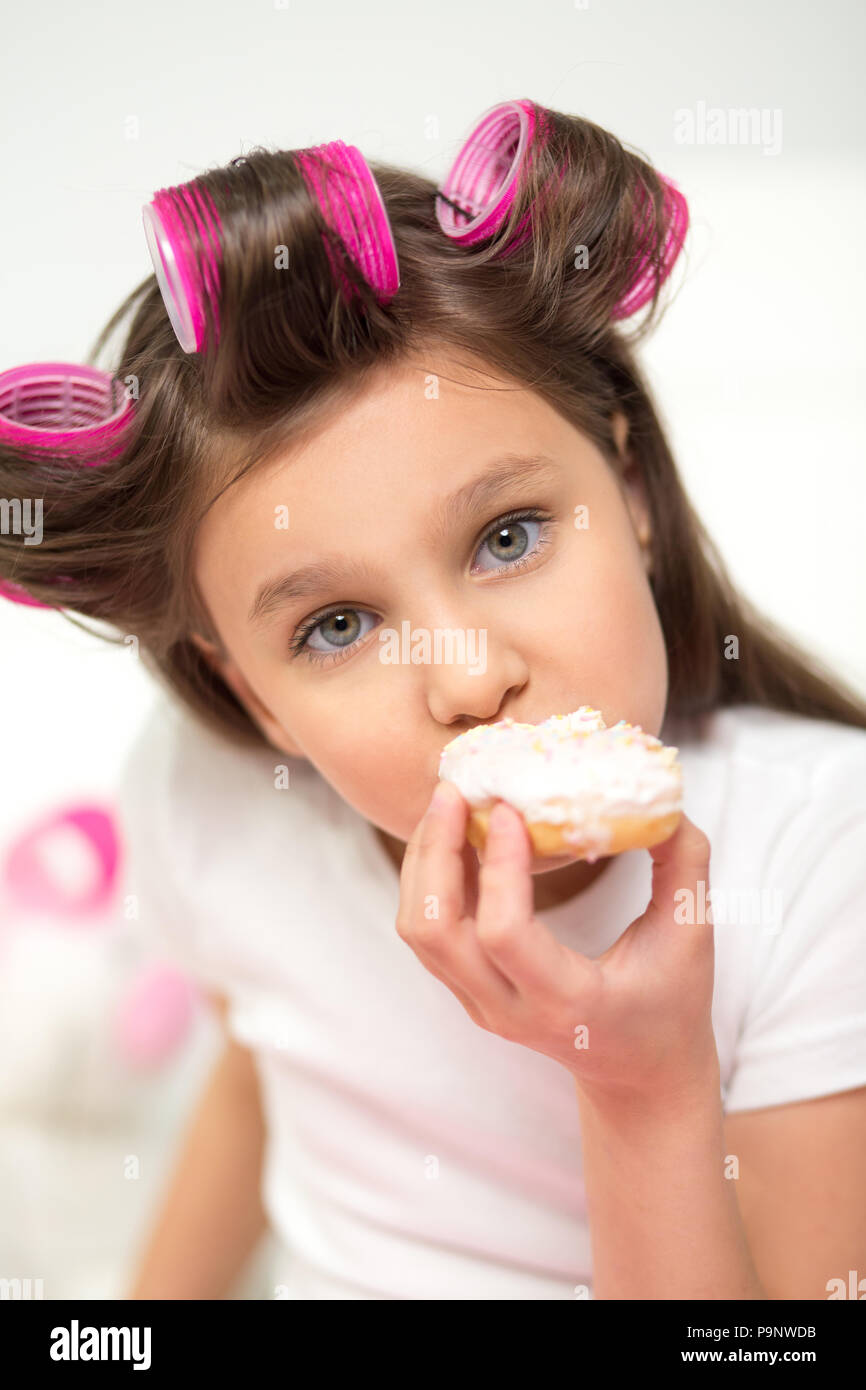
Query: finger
(440, 858)
(470, 865)
(410, 856)
(522, 947)
(434, 921)
(408, 872)
(681, 880)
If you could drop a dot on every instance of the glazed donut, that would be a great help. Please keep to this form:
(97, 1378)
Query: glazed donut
(583, 789)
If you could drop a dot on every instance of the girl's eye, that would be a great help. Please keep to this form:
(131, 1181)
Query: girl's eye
(513, 541)
(337, 630)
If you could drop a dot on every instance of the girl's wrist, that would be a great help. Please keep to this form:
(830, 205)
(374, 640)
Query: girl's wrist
(694, 1085)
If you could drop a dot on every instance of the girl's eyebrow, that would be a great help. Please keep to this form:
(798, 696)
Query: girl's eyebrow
(472, 496)
(504, 471)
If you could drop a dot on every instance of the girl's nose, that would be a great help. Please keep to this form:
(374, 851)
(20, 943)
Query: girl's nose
(473, 683)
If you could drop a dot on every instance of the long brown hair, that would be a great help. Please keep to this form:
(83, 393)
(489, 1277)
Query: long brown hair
(292, 349)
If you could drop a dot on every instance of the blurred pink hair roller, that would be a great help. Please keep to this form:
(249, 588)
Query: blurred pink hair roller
(155, 1015)
(33, 887)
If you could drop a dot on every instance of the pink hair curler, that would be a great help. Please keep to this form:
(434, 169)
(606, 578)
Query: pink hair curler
(340, 179)
(480, 186)
(32, 888)
(155, 1015)
(15, 594)
(76, 410)
(184, 279)
(478, 193)
(642, 284)
(64, 406)
(180, 219)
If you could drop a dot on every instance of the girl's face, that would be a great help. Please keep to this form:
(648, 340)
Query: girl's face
(441, 554)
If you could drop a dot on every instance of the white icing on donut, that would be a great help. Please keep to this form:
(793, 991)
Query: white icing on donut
(569, 768)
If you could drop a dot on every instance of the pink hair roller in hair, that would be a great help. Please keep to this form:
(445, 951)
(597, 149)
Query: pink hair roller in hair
(676, 217)
(481, 183)
(479, 189)
(66, 407)
(60, 405)
(184, 278)
(337, 175)
(340, 179)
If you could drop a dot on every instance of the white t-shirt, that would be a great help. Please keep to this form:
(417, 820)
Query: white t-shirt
(410, 1153)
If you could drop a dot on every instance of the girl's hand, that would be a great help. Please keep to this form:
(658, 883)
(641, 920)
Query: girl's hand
(634, 1021)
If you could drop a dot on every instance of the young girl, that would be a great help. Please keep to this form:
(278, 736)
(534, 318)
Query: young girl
(344, 419)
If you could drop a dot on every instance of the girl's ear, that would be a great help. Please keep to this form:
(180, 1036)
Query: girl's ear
(228, 670)
(633, 489)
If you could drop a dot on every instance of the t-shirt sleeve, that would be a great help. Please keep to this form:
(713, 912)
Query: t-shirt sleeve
(154, 890)
(804, 1033)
